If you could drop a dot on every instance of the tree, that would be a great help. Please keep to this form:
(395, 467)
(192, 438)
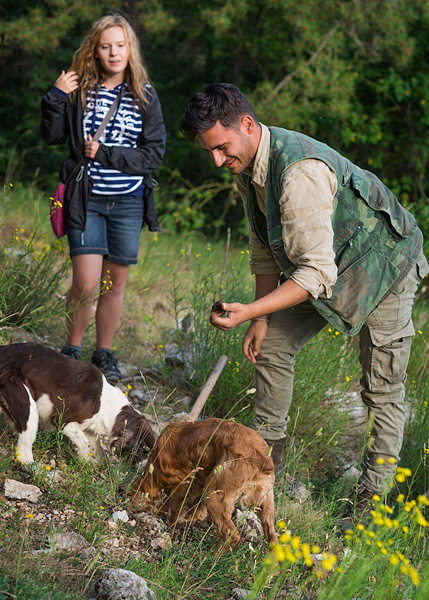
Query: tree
(352, 74)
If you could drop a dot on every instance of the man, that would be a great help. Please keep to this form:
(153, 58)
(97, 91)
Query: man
(329, 243)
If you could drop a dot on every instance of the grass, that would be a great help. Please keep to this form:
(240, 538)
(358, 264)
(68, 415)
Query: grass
(169, 294)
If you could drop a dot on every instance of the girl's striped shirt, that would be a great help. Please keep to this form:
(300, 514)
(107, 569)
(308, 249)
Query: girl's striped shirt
(123, 129)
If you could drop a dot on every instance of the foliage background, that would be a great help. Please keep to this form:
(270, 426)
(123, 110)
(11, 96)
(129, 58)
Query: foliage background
(353, 74)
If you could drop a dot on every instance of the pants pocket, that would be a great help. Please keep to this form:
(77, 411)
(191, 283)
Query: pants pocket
(388, 366)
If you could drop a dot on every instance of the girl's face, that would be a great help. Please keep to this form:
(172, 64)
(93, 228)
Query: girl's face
(112, 51)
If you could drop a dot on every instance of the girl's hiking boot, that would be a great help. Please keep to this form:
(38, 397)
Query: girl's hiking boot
(72, 352)
(108, 364)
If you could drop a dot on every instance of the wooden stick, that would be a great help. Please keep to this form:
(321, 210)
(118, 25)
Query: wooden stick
(207, 388)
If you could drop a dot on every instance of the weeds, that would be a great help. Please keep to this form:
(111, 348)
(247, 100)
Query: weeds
(168, 298)
(32, 271)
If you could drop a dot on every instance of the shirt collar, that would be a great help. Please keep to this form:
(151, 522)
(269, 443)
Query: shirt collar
(260, 167)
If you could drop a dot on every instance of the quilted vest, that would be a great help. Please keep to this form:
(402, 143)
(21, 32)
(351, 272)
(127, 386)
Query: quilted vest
(376, 240)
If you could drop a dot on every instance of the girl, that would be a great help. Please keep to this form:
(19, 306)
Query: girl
(109, 193)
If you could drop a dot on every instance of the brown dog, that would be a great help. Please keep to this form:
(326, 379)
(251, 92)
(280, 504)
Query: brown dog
(207, 466)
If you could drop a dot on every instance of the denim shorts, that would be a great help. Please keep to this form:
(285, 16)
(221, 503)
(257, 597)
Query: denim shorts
(113, 225)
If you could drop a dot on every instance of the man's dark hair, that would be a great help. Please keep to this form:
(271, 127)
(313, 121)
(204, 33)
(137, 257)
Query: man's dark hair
(215, 102)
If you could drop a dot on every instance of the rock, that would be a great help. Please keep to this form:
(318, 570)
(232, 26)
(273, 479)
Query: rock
(179, 358)
(153, 529)
(129, 369)
(121, 515)
(179, 417)
(150, 524)
(239, 594)
(56, 476)
(350, 470)
(248, 525)
(21, 491)
(120, 584)
(161, 543)
(297, 490)
(139, 396)
(68, 542)
(186, 323)
(186, 400)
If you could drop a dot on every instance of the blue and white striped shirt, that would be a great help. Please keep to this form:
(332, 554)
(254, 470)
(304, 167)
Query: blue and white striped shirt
(123, 129)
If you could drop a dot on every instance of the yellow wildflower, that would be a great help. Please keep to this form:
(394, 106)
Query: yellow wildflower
(284, 538)
(280, 553)
(295, 542)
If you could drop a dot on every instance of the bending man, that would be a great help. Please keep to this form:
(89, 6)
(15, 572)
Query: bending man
(329, 243)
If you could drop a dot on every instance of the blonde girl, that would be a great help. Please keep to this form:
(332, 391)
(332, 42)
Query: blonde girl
(109, 192)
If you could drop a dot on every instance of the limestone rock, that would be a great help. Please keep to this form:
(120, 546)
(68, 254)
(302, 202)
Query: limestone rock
(68, 541)
(120, 584)
(21, 491)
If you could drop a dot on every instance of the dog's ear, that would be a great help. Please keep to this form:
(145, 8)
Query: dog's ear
(131, 443)
(124, 442)
(146, 435)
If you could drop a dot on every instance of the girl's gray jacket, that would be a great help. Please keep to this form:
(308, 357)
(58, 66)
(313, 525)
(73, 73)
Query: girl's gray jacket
(62, 122)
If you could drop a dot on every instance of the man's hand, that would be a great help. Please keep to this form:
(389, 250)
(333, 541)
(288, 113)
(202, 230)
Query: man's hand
(233, 314)
(91, 147)
(253, 339)
(67, 82)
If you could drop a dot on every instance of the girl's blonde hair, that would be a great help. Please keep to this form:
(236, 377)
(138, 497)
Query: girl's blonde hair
(90, 71)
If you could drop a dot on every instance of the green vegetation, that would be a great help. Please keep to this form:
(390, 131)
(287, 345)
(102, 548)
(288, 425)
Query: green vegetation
(352, 74)
(169, 295)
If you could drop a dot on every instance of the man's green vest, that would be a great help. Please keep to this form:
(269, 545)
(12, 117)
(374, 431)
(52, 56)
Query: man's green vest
(376, 241)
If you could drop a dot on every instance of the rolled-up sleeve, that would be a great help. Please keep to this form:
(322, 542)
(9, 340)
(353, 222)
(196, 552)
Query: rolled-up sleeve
(306, 206)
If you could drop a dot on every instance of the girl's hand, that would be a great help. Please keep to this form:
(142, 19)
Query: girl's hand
(91, 147)
(253, 338)
(67, 82)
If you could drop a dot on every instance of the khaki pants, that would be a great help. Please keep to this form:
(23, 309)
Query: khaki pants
(385, 343)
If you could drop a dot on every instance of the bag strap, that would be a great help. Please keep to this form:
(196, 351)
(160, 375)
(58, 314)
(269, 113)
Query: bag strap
(107, 118)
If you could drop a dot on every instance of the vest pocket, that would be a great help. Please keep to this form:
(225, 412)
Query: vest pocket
(397, 220)
(361, 286)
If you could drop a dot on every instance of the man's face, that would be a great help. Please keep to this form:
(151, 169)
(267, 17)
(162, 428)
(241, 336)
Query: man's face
(232, 147)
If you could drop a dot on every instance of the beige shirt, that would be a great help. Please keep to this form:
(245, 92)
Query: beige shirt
(306, 205)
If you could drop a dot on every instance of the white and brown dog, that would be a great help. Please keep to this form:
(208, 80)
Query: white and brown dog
(38, 382)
